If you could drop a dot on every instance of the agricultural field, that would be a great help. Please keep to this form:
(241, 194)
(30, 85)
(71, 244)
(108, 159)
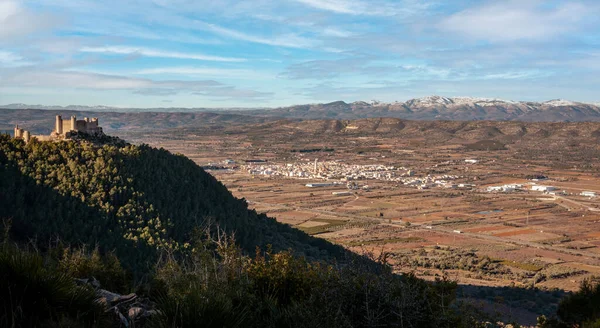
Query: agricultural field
(458, 230)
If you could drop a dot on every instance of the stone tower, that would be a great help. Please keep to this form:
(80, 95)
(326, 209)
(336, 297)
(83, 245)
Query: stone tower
(59, 125)
(73, 123)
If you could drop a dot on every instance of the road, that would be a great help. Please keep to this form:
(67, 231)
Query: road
(589, 208)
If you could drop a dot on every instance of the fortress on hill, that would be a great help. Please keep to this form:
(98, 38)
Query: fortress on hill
(64, 129)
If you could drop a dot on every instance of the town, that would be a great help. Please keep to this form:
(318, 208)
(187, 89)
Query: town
(337, 170)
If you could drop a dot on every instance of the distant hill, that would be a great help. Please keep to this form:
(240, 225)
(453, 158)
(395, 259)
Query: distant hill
(434, 130)
(40, 121)
(427, 108)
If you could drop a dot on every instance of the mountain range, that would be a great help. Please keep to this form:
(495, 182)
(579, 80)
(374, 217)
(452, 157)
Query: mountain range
(427, 108)
(442, 108)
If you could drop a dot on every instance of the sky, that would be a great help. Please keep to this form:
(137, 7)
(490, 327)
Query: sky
(270, 53)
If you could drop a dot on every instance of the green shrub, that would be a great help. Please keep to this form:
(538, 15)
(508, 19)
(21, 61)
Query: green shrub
(35, 294)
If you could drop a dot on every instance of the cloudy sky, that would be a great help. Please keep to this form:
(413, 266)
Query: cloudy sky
(253, 53)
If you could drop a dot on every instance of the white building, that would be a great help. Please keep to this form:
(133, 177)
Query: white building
(471, 161)
(542, 188)
(588, 193)
(504, 188)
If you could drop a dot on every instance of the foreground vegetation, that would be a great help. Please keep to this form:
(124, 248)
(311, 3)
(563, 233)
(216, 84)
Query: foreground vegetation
(218, 286)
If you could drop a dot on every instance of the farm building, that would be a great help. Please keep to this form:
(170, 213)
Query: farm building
(588, 193)
(542, 188)
(504, 188)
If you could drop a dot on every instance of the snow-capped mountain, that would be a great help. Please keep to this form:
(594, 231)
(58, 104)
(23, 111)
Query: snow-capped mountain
(426, 108)
(472, 101)
(561, 102)
(456, 101)
(449, 108)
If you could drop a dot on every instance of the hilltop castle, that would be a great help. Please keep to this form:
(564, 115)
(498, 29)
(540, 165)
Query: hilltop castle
(64, 129)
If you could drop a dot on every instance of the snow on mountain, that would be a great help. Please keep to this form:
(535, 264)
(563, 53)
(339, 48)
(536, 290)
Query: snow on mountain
(433, 101)
(482, 101)
(16, 106)
(560, 102)
(429, 101)
(451, 102)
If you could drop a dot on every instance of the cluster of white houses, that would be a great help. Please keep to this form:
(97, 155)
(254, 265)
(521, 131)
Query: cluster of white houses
(328, 170)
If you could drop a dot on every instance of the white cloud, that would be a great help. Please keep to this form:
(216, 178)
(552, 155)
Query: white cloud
(287, 40)
(369, 8)
(124, 50)
(207, 71)
(515, 75)
(338, 6)
(8, 9)
(16, 21)
(516, 20)
(336, 32)
(9, 59)
(86, 80)
(62, 79)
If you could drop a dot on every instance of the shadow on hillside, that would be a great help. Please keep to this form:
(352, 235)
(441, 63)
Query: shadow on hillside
(512, 304)
(39, 214)
(169, 186)
(180, 190)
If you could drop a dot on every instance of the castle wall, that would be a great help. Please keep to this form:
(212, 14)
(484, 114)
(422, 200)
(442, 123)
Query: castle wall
(92, 125)
(81, 126)
(66, 126)
(40, 137)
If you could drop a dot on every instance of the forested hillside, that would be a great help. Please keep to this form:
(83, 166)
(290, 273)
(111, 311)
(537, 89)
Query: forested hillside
(123, 197)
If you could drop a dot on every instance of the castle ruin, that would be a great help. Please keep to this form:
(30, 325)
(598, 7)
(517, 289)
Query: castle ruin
(64, 129)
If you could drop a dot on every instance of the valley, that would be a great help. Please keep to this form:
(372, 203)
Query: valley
(454, 221)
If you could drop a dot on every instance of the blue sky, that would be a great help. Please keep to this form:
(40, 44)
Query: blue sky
(221, 53)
